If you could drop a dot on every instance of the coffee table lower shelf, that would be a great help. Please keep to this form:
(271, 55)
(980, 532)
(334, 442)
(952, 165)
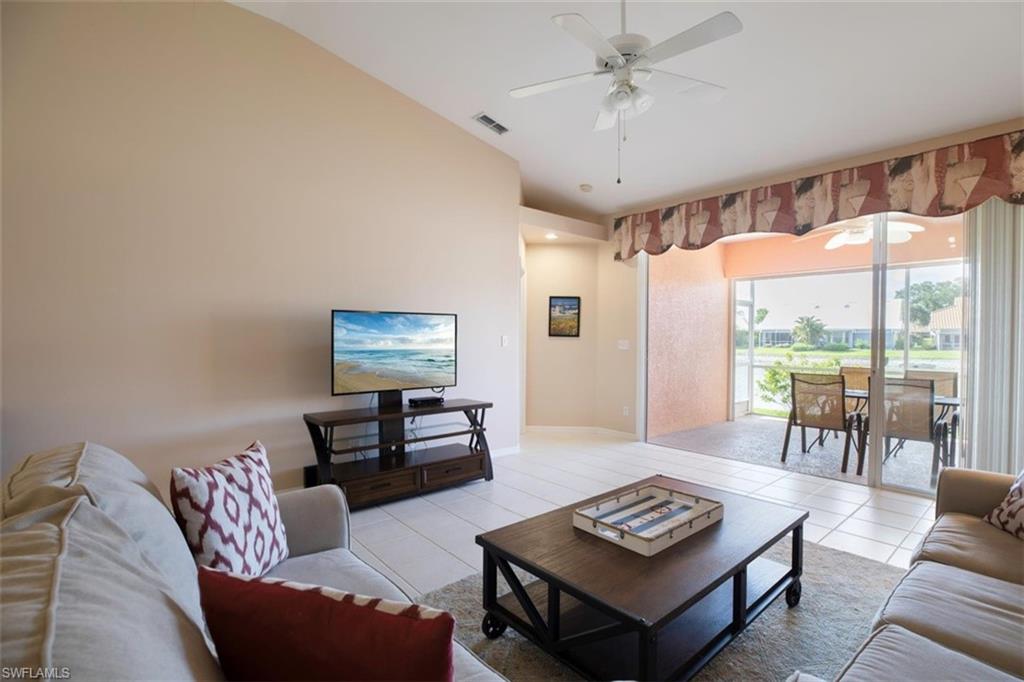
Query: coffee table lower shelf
(602, 644)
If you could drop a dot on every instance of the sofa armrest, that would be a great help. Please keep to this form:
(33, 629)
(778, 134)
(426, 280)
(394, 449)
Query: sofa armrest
(968, 491)
(315, 519)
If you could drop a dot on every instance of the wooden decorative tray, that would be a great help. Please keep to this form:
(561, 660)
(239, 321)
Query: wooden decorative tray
(648, 519)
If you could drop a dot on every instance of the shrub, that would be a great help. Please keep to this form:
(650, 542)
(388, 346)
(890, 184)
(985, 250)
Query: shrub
(774, 385)
(802, 347)
(836, 347)
(927, 343)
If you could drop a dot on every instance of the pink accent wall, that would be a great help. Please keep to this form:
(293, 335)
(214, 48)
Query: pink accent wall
(687, 342)
(783, 254)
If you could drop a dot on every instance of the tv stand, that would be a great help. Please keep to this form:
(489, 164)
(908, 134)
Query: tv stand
(391, 430)
(398, 470)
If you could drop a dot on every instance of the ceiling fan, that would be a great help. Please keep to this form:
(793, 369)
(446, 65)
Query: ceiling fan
(860, 231)
(629, 59)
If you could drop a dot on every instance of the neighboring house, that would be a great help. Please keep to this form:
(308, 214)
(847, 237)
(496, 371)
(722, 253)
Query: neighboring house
(945, 324)
(848, 323)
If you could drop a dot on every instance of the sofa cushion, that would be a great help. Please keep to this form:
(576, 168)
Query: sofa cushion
(339, 569)
(895, 653)
(273, 629)
(77, 594)
(974, 614)
(229, 514)
(968, 542)
(126, 495)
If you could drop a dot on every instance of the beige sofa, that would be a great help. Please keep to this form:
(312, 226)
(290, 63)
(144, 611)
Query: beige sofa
(958, 613)
(96, 581)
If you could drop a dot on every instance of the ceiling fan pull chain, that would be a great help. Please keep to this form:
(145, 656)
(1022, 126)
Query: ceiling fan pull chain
(618, 144)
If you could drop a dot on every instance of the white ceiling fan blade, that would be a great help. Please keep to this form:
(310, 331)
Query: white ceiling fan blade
(839, 239)
(557, 83)
(717, 27)
(607, 117)
(696, 88)
(583, 31)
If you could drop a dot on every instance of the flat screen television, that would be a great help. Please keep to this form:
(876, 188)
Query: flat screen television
(373, 351)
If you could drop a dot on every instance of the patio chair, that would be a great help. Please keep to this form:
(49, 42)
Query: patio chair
(946, 382)
(819, 402)
(856, 379)
(910, 415)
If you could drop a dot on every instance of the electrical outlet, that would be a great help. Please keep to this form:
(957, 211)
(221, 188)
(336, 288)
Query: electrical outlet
(504, 341)
(625, 410)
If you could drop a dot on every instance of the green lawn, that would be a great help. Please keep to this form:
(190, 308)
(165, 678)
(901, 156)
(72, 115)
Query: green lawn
(859, 353)
(771, 412)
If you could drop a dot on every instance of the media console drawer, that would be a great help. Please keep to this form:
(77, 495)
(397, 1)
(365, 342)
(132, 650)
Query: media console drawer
(446, 473)
(362, 491)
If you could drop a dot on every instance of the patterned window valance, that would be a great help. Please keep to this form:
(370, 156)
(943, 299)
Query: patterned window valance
(936, 183)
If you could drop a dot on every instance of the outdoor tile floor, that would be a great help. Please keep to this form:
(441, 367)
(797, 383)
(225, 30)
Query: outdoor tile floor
(426, 542)
(758, 440)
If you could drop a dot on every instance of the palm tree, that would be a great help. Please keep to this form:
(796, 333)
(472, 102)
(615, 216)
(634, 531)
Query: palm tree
(808, 329)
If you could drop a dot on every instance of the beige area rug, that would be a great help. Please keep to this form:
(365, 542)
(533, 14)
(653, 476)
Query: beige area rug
(841, 593)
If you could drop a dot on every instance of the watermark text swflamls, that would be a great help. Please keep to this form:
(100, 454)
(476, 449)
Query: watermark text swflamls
(28, 673)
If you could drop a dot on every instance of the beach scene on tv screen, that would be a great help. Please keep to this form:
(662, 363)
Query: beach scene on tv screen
(387, 351)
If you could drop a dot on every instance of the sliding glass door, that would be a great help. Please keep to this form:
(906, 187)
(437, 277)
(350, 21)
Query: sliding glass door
(914, 411)
(743, 349)
(880, 303)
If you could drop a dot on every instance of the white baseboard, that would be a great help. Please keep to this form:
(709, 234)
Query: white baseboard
(501, 452)
(595, 430)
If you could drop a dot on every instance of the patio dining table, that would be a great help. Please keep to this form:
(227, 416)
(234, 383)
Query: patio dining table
(946, 403)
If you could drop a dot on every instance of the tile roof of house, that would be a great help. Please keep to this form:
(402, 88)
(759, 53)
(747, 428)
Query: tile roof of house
(950, 317)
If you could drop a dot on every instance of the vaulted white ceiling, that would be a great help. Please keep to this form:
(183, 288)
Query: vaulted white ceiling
(809, 83)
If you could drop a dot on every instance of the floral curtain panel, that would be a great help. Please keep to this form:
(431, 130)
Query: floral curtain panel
(936, 183)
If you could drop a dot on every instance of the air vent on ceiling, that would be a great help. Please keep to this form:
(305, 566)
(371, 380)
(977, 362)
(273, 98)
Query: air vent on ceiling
(486, 120)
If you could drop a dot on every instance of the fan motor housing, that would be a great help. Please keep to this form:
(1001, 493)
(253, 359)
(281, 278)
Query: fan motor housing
(629, 45)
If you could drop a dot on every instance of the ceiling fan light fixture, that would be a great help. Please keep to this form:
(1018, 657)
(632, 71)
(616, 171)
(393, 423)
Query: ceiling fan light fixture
(621, 97)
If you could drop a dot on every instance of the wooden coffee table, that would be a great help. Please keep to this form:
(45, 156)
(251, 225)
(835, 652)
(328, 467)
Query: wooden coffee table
(610, 613)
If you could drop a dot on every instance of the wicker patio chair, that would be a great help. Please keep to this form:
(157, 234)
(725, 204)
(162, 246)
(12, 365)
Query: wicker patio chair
(856, 379)
(819, 402)
(910, 415)
(946, 382)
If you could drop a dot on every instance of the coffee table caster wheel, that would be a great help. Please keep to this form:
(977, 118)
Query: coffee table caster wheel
(793, 594)
(492, 627)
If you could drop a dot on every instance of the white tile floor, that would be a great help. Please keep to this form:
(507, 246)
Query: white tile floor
(426, 542)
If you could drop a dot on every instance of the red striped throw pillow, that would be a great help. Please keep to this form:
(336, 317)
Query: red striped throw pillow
(229, 514)
(272, 629)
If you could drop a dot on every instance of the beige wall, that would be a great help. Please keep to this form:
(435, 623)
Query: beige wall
(687, 343)
(582, 381)
(616, 322)
(560, 370)
(190, 189)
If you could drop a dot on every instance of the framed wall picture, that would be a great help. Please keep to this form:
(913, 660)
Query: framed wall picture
(563, 316)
